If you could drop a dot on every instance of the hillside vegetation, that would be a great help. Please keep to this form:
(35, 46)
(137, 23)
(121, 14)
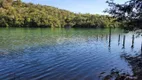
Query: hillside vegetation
(14, 13)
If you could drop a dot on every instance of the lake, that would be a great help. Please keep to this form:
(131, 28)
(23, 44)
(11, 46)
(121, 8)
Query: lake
(64, 54)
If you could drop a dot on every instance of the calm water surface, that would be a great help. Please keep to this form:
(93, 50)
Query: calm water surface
(60, 54)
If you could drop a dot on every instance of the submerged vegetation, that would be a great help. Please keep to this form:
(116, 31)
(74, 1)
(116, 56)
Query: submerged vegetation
(14, 13)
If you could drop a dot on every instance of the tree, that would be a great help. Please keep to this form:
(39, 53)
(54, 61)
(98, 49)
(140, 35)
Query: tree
(6, 3)
(129, 13)
(20, 14)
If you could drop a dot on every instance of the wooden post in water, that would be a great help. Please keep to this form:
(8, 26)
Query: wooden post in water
(110, 37)
(141, 47)
(119, 40)
(133, 38)
(124, 42)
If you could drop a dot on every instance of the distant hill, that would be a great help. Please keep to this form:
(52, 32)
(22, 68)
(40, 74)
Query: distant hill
(14, 13)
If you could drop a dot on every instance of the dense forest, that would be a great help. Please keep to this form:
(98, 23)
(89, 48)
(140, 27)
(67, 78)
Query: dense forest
(15, 13)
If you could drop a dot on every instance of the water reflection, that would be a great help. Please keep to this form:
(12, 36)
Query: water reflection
(58, 54)
(134, 60)
(39, 36)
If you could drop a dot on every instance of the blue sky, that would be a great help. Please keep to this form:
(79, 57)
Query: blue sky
(77, 6)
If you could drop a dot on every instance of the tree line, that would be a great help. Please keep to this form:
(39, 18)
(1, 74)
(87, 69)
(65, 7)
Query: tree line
(15, 13)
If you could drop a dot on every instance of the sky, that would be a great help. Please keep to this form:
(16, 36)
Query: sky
(77, 6)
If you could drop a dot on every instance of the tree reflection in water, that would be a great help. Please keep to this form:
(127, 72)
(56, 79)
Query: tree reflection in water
(135, 62)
